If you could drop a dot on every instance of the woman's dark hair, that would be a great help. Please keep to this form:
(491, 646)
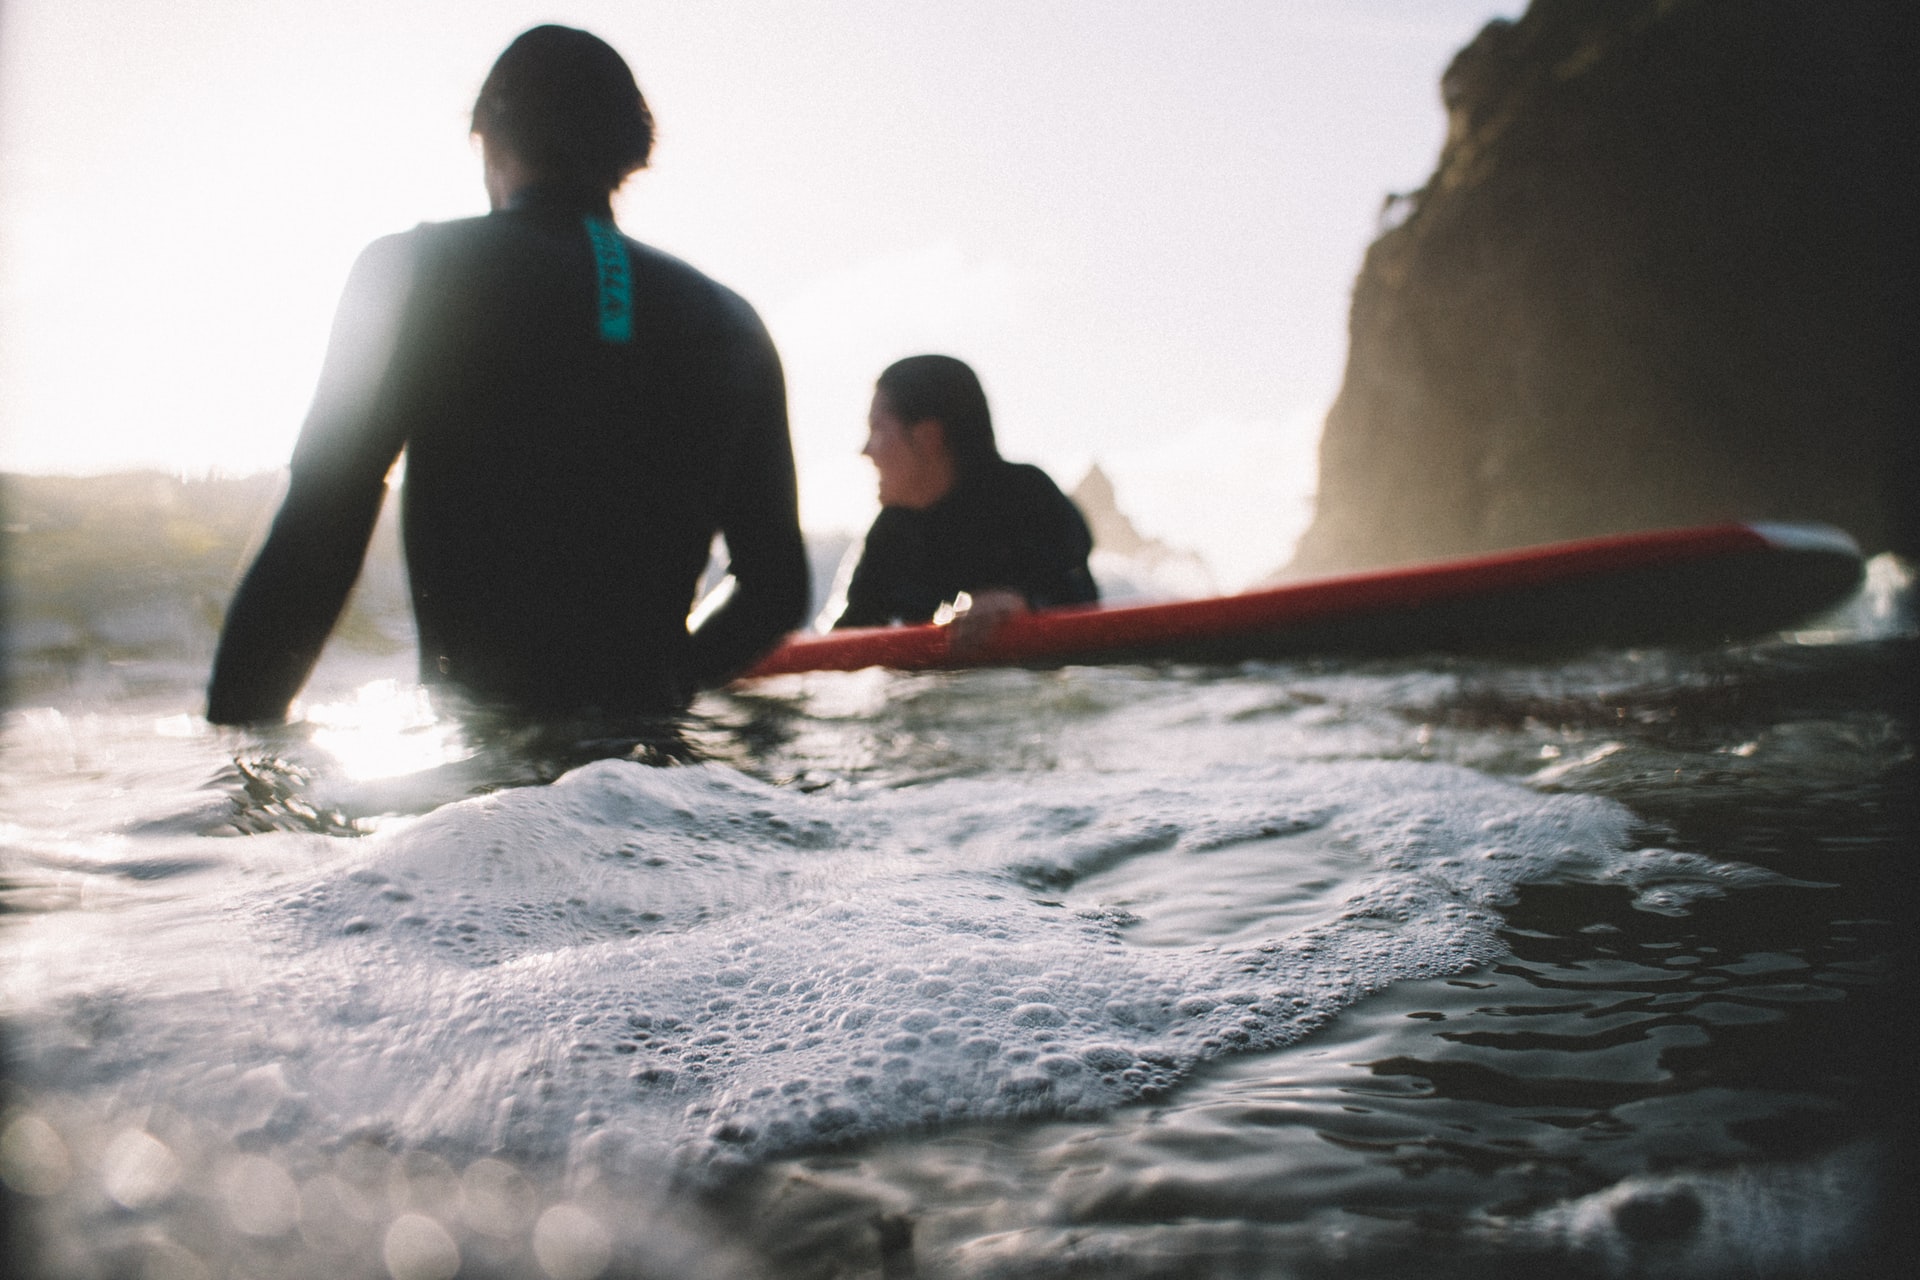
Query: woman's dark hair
(946, 390)
(566, 104)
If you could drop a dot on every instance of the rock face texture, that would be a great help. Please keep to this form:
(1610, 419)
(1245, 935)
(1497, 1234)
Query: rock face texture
(1662, 275)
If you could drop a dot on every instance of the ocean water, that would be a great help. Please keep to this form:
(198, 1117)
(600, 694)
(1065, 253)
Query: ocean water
(1439, 967)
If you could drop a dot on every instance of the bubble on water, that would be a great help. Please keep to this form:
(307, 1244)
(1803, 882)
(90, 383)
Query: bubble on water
(137, 1170)
(1036, 1015)
(570, 1244)
(33, 1157)
(261, 1198)
(418, 1248)
(1107, 1057)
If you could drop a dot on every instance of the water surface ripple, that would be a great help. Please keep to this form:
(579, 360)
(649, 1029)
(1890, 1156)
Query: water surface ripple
(1443, 967)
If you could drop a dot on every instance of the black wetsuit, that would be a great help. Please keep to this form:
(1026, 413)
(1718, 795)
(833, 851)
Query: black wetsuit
(581, 414)
(1008, 526)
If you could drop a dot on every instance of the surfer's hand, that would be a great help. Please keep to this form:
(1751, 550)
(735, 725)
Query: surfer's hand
(977, 624)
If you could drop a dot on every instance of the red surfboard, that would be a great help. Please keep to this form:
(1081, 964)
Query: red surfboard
(1709, 584)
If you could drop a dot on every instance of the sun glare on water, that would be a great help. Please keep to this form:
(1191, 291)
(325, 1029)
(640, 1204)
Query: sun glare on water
(386, 730)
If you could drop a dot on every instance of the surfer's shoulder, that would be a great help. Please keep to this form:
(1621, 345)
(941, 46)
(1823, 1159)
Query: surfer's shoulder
(1029, 482)
(400, 253)
(692, 287)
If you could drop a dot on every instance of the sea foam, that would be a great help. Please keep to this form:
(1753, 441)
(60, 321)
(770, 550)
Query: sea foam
(634, 965)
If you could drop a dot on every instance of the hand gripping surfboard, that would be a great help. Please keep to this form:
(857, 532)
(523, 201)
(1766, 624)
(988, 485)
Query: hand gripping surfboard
(1675, 586)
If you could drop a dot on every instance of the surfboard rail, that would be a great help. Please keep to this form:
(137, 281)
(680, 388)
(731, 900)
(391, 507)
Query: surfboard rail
(1712, 582)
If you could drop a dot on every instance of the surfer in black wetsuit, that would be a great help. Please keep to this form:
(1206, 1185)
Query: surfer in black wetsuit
(957, 517)
(580, 414)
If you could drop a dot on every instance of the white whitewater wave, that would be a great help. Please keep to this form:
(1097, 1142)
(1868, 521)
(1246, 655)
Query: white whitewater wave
(637, 964)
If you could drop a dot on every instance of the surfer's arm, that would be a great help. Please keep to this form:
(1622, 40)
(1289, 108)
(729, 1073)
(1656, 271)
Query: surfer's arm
(888, 584)
(1062, 585)
(865, 605)
(290, 599)
(760, 519)
(293, 594)
(855, 615)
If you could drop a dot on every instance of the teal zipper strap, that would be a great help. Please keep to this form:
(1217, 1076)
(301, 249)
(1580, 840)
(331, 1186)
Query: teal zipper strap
(614, 274)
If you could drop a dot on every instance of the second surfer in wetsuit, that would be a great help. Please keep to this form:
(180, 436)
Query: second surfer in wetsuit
(957, 517)
(580, 414)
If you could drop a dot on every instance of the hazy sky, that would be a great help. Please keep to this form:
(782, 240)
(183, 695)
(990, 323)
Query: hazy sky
(1138, 220)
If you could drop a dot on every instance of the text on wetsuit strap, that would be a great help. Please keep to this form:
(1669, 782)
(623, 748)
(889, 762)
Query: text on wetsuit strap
(615, 277)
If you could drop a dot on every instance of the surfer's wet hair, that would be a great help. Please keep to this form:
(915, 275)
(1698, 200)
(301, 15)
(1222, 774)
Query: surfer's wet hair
(948, 391)
(566, 104)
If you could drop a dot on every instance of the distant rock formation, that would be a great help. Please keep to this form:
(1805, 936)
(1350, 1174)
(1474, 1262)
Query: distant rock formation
(1662, 275)
(1127, 564)
(1112, 531)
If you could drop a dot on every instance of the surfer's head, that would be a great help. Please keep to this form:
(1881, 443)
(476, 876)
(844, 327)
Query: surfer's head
(910, 458)
(564, 107)
(939, 403)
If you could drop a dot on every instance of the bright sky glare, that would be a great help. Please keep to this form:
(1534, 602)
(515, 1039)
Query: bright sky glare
(1138, 219)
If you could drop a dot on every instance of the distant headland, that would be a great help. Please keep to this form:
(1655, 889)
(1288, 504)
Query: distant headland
(1662, 275)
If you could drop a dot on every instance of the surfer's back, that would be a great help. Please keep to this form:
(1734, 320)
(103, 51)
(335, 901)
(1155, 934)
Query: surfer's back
(562, 491)
(581, 415)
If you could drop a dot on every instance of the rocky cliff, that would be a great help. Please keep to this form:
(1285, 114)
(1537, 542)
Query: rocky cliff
(1658, 277)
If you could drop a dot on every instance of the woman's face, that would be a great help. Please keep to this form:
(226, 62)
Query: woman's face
(911, 459)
